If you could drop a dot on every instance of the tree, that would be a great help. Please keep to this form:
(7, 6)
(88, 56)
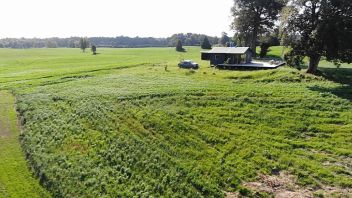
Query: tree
(206, 44)
(72, 44)
(272, 37)
(264, 47)
(94, 49)
(325, 29)
(51, 44)
(179, 47)
(83, 43)
(224, 40)
(188, 39)
(294, 60)
(284, 22)
(252, 17)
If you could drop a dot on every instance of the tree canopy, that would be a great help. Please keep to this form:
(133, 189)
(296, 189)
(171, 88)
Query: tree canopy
(179, 47)
(325, 30)
(224, 40)
(252, 17)
(83, 43)
(188, 39)
(94, 49)
(206, 44)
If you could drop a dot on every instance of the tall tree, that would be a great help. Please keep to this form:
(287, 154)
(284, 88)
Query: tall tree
(325, 29)
(264, 47)
(285, 36)
(206, 44)
(252, 17)
(179, 47)
(224, 40)
(83, 43)
(94, 49)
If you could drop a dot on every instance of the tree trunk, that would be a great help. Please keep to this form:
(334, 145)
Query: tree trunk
(313, 63)
(283, 52)
(253, 43)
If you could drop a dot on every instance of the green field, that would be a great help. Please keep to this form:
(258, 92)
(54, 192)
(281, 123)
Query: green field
(15, 177)
(128, 122)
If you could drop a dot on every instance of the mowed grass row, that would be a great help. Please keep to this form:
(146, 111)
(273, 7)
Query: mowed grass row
(15, 178)
(152, 130)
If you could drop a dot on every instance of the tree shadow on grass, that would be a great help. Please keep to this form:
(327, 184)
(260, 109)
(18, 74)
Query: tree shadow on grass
(343, 91)
(338, 75)
(342, 76)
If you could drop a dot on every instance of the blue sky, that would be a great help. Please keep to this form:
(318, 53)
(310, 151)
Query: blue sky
(156, 18)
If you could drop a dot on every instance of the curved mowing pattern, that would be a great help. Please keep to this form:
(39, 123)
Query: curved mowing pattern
(124, 135)
(128, 122)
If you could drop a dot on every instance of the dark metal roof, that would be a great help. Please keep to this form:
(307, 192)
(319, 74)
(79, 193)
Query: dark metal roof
(228, 50)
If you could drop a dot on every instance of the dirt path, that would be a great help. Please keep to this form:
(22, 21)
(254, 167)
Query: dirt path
(15, 178)
(4, 117)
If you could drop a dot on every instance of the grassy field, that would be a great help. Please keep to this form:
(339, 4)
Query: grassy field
(15, 177)
(128, 122)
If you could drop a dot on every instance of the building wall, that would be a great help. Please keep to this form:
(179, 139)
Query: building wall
(216, 59)
(205, 56)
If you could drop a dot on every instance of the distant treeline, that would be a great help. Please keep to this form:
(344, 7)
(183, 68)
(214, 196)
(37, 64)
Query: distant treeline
(188, 39)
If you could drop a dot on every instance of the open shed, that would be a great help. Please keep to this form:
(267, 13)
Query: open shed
(228, 55)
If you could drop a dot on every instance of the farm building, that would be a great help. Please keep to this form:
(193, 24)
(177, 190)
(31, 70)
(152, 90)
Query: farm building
(228, 55)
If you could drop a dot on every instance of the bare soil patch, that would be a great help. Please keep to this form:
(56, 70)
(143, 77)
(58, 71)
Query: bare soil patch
(231, 194)
(283, 185)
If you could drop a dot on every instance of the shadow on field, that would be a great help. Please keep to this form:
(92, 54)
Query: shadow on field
(339, 75)
(343, 91)
(342, 76)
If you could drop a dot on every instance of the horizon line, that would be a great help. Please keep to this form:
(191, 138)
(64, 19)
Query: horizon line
(105, 36)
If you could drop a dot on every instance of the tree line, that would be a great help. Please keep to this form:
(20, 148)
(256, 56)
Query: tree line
(188, 39)
(317, 29)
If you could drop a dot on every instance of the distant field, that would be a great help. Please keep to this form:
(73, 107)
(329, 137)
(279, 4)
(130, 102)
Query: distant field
(129, 122)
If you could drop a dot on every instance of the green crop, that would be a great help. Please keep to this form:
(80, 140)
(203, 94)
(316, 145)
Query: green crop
(119, 124)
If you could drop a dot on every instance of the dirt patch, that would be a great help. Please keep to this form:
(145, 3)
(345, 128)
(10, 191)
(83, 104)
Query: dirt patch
(231, 194)
(280, 185)
(283, 185)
